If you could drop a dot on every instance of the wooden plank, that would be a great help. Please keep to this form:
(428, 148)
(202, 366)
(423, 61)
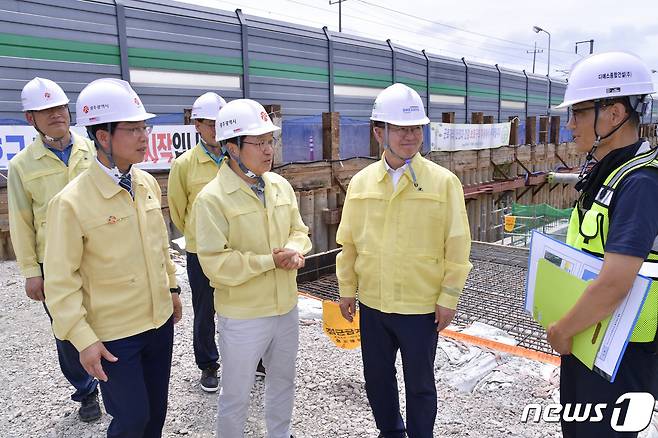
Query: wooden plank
(331, 136)
(275, 114)
(531, 130)
(306, 206)
(555, 130)
(320, 202)
(514, 131)
(543, 129)
(484, 168)
(332, 226)
(307, 176)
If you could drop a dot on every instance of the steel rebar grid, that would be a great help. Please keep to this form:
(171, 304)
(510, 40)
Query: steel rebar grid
(494, 294)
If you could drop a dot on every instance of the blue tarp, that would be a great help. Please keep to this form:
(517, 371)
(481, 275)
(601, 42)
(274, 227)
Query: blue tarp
(13, 122)
(302, 138)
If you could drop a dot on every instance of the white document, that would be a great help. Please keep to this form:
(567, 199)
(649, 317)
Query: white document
(586, 267)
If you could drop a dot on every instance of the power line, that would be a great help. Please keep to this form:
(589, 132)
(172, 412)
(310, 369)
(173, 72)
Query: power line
(525, 45)
(423, 36)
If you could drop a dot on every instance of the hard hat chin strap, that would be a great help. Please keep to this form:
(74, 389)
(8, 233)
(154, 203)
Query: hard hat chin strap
(590, 155)
(248, 173)
(113, 167)
(47, 137)
(406, 161)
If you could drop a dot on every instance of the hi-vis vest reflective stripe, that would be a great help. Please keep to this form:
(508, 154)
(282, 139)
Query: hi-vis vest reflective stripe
(590, 233)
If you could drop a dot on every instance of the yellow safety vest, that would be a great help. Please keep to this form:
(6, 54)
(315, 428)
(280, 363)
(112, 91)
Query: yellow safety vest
(588, 231)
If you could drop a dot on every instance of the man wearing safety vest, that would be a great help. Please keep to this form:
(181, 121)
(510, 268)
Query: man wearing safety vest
(111, 283)
(616, 217)
(188, 175)
(36, 174)
(250, 241)
(405, 247)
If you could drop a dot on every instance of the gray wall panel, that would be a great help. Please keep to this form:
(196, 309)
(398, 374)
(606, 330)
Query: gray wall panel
(288, 62)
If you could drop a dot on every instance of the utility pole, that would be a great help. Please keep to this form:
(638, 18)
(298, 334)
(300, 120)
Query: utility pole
(534, 55)
(340, 12)
(591, 45)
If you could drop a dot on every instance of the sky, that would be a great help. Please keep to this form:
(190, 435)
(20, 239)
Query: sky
(484, 31)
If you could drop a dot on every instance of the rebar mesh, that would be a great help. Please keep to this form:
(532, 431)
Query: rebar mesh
(494, 294)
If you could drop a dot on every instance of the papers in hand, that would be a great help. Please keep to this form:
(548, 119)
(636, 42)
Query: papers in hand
(557, 276)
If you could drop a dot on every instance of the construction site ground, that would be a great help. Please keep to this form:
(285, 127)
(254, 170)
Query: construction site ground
(481, 393)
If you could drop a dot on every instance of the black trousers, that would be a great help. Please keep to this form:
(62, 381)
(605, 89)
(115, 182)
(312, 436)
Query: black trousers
(203, 304)
(382, 335)
(638, 372)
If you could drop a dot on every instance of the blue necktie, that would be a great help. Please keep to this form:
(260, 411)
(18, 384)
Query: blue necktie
(126, 183)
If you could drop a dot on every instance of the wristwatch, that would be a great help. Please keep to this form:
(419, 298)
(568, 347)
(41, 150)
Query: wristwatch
(175, 290)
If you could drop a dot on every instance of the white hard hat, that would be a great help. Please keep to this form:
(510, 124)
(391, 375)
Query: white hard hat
(207, 106)
(109, 100)
(242, 117)
(607, 75)
(40, 94)
(399, 105)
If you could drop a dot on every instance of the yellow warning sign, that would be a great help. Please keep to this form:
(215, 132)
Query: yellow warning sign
(343, 333)
(510, 222)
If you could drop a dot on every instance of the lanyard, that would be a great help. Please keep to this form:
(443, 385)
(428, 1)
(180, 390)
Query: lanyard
(216, 159)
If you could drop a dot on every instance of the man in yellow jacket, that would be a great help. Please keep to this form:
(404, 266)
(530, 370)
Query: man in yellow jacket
(188, 175)
(36, 174)
(111, 283)
(405, 246)
(251, 240)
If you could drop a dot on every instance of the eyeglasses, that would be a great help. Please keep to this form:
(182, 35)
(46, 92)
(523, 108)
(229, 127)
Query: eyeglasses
(578, 112)
(138, 131)
(261, 144)
(401, 131)
(208, 123)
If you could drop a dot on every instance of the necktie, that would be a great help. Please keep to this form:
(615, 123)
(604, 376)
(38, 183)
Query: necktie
(259, 189)
(126, 183)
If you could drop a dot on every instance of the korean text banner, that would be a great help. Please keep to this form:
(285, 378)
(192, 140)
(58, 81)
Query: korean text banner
(461, 137)
(165, 143)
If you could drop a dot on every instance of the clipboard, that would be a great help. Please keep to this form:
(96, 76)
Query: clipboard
(558, 274)
(556, 292)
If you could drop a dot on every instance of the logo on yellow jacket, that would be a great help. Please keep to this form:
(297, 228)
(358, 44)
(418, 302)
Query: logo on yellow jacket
(343, 333)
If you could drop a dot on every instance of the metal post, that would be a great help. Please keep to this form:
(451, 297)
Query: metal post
(526, 94)
(466, 98)
(500, 90)
(534, 55)
(122, 39)
(591, 45)
(427, 82)
(394, 75)
(538, 29)
(548, 77)
(244, 33)
(340, 12)
(330, 59)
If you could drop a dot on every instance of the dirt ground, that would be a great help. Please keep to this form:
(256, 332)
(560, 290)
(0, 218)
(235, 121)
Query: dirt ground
(330, 396)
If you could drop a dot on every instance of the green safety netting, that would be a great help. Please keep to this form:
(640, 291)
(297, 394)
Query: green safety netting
(540, 210)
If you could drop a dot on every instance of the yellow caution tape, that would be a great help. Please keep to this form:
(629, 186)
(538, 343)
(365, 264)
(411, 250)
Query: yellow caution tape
(343, 333)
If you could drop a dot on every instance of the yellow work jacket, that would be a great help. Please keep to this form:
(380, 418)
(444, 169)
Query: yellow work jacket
(405, 250)
(188, 175)
(108, 269)
(35, 176)
(235, 238)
